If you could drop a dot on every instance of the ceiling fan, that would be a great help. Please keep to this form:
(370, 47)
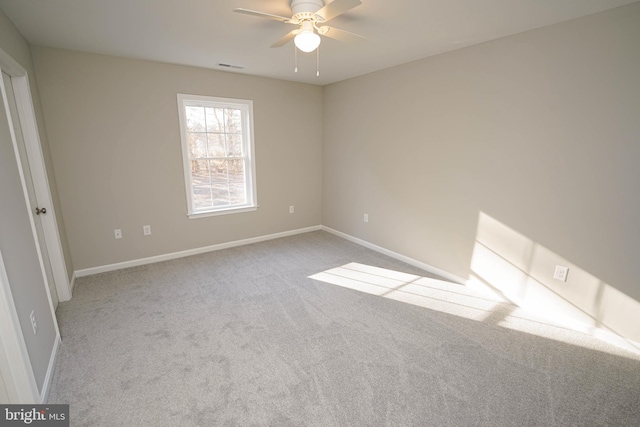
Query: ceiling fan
(310, 15)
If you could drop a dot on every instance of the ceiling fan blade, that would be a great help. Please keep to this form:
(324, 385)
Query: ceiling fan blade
(262, 15)
(337, 7)
(342, 35)
(286, 39)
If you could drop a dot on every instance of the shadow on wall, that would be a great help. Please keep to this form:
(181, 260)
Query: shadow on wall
(521, 270)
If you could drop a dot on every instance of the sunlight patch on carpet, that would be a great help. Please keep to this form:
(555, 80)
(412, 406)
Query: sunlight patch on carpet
(454, 299)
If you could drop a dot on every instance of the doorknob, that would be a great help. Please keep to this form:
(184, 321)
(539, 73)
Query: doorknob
(41, 211)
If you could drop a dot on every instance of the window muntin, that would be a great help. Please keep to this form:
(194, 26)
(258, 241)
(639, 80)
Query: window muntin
(217, 148)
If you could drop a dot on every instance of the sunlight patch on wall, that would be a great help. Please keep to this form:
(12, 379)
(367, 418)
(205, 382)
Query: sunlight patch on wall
(521, 270)
(479, 303)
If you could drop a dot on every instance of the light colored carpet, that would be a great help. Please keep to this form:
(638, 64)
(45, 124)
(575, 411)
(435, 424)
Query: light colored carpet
(243, 337)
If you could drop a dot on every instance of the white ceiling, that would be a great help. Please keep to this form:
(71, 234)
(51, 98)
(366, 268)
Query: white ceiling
(207, 32)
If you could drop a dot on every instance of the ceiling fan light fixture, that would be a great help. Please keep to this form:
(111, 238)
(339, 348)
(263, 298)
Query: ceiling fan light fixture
(310, 15)
(307, 40)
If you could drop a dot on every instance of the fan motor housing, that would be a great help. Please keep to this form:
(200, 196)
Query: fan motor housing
(308, 6)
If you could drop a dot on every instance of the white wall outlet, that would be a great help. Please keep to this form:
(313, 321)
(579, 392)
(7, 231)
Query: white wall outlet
(146, 229)
(292, 209)
(366, 218)
(34, 323)
(118, 233)
(561, 273)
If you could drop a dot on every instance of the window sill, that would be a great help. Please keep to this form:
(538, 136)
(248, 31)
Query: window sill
(222, 212)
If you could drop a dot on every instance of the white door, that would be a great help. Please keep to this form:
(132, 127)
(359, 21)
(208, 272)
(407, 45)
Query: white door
(19, 265)
(36, 209)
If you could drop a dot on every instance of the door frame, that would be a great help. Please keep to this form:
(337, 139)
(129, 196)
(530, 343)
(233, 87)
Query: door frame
(15, 367)
(28, 124)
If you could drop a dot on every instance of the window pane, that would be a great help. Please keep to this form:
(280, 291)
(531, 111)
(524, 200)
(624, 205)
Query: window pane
(200, 172)
(215, 119)
(216, 145)
(238, 193)
(236, 170)
(220, 194)
(202, 197)
(233, 120)
(219, 171)
(197, 145)
(195, 119)
(234, 145)
(201, 184)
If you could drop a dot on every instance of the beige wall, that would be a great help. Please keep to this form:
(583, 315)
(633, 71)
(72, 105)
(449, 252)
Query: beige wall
(539, 132)
(115, 143)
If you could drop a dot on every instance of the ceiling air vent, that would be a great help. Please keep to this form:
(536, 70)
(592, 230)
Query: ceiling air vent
(236, 67)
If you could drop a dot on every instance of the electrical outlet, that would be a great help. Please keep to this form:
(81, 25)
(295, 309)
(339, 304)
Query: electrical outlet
(292, 209)
(146, 229)
(561, 273)
(118, 233)
(34, 323)
(366, 218)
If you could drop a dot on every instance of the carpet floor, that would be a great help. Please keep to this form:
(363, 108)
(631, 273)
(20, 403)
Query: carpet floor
(290, 333)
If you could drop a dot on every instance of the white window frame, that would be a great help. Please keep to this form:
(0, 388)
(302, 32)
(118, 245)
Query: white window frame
(246, 107)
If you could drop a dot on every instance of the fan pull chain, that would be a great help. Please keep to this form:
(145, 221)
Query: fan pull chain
(295, 56)
(318, 61)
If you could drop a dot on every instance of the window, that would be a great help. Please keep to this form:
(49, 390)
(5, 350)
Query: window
(217, 152)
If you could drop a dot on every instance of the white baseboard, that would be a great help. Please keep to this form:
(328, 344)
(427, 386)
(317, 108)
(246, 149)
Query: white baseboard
(46, 385)
(426, 267)
(72, 283)
(606, 335)
(174, 255)
(189, 252)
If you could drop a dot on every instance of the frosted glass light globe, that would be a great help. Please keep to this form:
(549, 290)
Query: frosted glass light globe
(307, 41)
